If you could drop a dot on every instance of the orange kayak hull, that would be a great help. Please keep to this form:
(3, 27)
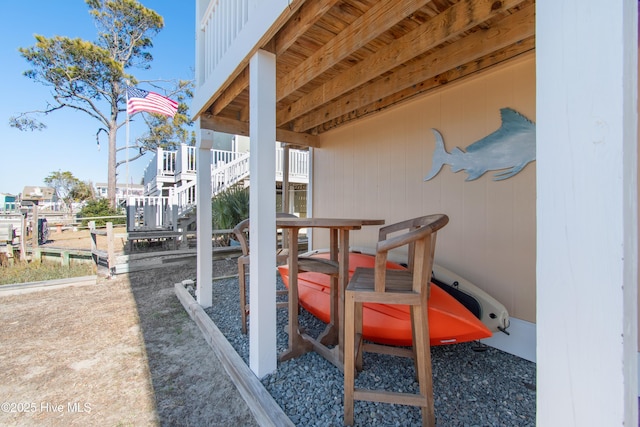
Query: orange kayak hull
(449, 321)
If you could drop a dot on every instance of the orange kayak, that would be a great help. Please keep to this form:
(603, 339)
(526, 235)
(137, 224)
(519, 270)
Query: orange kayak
(449, 321)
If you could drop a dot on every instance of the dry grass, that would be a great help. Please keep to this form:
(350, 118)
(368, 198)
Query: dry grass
(22, 272)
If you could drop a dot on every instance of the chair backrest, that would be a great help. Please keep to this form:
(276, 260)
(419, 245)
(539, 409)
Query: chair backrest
(419, 234)
(241, 230)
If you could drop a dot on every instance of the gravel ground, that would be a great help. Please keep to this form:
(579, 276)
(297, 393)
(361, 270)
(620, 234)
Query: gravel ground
(471, 388)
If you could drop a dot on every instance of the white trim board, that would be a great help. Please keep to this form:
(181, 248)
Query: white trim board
(520, 342)
(638, 373)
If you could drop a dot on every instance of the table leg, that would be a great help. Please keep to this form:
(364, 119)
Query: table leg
(343, 280)
(334, 333)
(297, 345)
(330, 335)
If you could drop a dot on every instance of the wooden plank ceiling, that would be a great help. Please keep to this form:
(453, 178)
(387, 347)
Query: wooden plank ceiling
(340, 60)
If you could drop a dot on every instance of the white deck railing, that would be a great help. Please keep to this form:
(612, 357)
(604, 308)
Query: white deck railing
(179, 166)
(298, 165)
(223, 176)
(163, 164)
(227, 32)
(151, 213)
(220, 25)
(223, 157)
(186, 160)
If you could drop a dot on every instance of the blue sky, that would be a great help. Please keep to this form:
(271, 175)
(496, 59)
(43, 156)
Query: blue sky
(69, 143)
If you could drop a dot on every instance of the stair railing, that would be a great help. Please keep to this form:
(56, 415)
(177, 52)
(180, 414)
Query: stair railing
(229, 174)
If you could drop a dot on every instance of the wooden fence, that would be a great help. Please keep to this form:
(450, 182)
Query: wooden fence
(137, 256)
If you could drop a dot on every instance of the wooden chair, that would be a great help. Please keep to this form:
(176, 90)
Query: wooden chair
(411, 287)
(241, 230)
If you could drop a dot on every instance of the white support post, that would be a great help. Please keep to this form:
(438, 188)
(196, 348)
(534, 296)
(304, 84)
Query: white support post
(203, 220)
(185, 157)
(292, 199)
(285, 179)
(131, 214)
(159, 162)
(586, 57)
(262, 289)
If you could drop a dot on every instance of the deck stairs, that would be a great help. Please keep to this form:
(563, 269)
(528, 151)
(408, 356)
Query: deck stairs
(176, 211)
(171, 186)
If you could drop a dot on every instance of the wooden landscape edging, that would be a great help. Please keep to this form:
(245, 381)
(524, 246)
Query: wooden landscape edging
(23, 288)
(65, 254)
(262, 405)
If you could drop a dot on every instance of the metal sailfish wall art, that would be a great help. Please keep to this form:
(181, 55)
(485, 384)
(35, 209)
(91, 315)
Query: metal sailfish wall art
(507, 150)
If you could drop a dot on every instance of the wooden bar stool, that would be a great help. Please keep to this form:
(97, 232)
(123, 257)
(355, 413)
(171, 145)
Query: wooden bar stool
(241, 230)
(411, 287)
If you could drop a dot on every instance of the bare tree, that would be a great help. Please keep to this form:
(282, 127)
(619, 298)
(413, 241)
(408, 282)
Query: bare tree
(91, 77)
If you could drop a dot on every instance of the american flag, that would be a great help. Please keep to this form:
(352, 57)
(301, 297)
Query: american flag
(151, 102)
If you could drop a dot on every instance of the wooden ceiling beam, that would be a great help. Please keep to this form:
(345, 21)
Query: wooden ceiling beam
(452, 22)
(237, 127)
(478, 65)
(224, 125)
(297, 138)
(512, 29)
(307, 14)
(300, 22)
(378, 19)
(236, 87)
(243, 115)
(294, 6)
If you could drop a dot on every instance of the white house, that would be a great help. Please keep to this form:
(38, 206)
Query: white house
(174, 171)
(122, 190)
(364, 83)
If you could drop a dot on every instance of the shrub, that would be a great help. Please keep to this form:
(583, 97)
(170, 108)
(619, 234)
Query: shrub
(100, 207)
(229, 208)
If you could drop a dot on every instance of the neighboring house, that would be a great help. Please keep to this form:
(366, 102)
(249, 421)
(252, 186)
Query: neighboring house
(363, 87)
(45, 197)
(170, 172)
(122, 190)
(8, 202)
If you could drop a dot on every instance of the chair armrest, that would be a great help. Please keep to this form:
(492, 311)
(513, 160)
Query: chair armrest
(403, 225)
(404, 239)
(435, 222)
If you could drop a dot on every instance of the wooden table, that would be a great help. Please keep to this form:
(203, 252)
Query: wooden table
(300, 342)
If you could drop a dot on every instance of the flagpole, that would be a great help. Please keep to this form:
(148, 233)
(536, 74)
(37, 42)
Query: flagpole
(127, 146)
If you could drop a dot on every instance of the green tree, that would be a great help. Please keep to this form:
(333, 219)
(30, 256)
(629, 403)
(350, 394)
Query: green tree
(82, 191)
(91, 77)
(63, 183)
(168, 133)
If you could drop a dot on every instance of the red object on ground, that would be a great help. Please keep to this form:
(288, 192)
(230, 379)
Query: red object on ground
(449, 321)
